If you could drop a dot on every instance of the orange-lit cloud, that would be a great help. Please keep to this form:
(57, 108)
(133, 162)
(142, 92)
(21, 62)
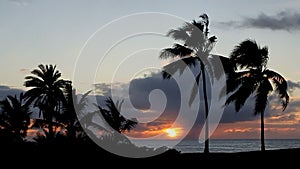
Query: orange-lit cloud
(238, 130)
(24, 71)
(157, 129)
(251, 130)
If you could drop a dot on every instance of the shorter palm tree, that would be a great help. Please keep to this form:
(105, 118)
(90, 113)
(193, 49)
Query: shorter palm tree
(72, 110)
(253, 77)
(114, 118)
(14, 118)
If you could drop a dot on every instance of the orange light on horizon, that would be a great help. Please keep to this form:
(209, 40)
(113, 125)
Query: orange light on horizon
(172, 132)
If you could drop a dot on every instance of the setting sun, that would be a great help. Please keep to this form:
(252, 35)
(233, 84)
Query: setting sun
(171, 132)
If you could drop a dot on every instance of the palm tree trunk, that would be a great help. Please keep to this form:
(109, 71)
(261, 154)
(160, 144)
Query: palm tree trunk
(262, 131)
(206, 143)
(50, 122)
(51, 132)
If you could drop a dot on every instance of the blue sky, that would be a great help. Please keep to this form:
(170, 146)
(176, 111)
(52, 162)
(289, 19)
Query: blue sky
(54, 32)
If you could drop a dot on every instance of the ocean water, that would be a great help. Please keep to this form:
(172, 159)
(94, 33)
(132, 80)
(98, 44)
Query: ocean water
(221, 145)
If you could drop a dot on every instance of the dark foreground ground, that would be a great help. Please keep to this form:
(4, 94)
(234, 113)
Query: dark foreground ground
(65, 156)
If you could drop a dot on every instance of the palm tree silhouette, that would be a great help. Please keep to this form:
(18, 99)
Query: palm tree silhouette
(196, 49)
(46, 92)
(14, 118)
(72, 111)
(253, 76)
(114, 118)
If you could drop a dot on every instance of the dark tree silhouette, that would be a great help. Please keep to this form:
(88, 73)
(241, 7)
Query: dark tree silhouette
(195, 51)
(114, 118)
(71, 132)
(14, 119)
(46, 93)
(253, 77)
(71, 111)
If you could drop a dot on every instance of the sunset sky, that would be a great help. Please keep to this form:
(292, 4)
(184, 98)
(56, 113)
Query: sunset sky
(118, 42)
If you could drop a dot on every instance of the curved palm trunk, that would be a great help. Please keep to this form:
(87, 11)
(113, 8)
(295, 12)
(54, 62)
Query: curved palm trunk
(206, 143)
(262, 131)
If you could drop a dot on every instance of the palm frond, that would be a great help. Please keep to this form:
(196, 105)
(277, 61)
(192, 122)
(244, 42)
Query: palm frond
(43, 68)
(179, 66)
(114, 118)
(219, 66)
(128, 125)
(205, 20)
(38, 73)
(33, 82)
(56, 75)
(197, 40)
(240, 96)
(280, 86)
(235, 79)
(178, 34)
(261, 99)
(176, 51)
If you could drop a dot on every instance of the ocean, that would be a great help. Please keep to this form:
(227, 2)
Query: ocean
(221, 145)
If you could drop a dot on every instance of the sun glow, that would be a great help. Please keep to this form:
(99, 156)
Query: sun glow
(171, 132)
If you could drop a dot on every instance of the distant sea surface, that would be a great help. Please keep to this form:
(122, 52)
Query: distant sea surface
(221, 145)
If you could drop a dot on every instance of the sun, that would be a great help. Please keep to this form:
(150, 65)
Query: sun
(171, 132)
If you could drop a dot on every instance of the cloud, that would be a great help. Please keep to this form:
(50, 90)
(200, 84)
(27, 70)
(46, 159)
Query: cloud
(140, 90)
(24, 71)
(292, 86)
(21, 2)
(6, 90)
(146, 130)
(284, 20)
(239, 130)
(285, 118)
(103, 89)
(143, 107)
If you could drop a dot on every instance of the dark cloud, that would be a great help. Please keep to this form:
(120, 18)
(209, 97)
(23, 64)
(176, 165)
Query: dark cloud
(140, 89)
(6, 90)
(293, 106)
(292, 86)
(103, 89)
(245, 114)
(284, 20)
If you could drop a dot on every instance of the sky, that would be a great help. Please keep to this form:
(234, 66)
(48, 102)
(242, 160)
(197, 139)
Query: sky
(118, 42)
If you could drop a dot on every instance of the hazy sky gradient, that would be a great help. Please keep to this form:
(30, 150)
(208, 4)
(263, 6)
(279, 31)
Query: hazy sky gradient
(34, 32)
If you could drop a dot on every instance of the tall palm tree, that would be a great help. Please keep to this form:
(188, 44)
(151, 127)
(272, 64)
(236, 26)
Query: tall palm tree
(46, 93)
(253, 77)
(195, 50)
(14, 118)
